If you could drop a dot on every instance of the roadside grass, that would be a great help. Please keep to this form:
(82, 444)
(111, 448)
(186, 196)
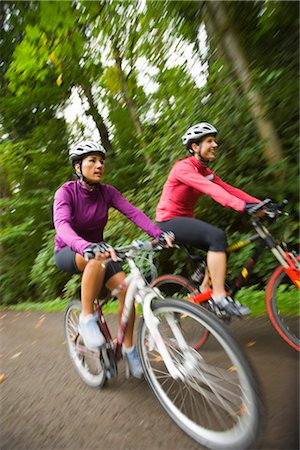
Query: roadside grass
(58, 304)
(253, 298)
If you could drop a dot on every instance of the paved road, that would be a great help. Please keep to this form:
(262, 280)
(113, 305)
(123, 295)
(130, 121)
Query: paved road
(45, 406)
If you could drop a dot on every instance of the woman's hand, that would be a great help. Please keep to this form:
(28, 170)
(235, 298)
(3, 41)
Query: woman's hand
(100, 252)
(166, 239)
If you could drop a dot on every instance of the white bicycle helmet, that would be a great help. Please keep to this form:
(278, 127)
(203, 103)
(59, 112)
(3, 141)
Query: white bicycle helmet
(197, 132)
(84, 148)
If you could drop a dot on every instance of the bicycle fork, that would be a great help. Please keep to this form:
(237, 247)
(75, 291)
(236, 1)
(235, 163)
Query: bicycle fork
(152, 325)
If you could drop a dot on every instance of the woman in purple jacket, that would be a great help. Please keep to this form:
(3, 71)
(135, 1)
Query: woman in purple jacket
(80, 215)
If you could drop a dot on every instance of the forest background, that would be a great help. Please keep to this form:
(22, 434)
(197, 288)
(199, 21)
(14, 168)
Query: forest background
(142, 72)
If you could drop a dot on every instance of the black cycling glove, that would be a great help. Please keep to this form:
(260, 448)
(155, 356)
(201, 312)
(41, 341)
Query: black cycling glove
(163, 236)
(249, 207)
(90, 252)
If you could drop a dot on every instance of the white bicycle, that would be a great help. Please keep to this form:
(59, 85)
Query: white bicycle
(210, 393)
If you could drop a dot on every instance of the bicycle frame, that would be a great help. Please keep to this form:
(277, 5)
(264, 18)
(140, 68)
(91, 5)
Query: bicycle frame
(139, 291)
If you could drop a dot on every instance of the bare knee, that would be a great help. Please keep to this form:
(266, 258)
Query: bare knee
(95, 266)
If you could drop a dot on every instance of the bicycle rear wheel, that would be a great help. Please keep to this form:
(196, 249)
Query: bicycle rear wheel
(283, 306)
(176, 286)
(217, 402)
(88, 364)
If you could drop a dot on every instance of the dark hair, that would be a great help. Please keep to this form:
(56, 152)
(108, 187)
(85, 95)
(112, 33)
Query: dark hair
(193, 141)
(76, 161)
(198, 141)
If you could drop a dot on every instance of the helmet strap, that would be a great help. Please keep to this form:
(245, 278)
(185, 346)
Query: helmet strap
(204, 162)
(83, 178)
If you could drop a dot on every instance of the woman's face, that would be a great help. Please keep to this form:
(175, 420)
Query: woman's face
(206, 149)
(92, 167)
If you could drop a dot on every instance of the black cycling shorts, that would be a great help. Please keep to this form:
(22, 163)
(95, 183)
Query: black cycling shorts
(196, 233)
(65, 261)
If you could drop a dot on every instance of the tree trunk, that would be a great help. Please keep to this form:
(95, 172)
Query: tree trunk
(220, 53)
(131, 104)
(229, 41)
(93, 111)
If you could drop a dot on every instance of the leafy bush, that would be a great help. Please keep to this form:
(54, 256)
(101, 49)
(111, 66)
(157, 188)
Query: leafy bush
(47, 281)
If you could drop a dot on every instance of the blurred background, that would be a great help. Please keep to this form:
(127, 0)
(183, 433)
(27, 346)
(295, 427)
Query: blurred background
(134, 76)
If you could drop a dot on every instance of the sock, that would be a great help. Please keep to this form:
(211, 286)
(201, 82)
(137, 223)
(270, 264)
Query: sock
(85, 319)
(128, 349)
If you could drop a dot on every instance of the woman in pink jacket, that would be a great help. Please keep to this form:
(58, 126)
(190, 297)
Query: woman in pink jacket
(188, 180)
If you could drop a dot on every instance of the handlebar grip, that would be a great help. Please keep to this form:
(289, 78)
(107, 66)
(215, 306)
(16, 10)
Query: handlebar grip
(260, 205)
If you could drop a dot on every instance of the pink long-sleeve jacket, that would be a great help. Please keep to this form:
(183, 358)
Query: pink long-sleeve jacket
(187, 182)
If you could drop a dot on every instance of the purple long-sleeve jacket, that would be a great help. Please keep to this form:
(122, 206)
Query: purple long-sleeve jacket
(80, 214)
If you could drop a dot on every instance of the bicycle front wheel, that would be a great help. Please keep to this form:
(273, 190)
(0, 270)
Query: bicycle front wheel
(88, 364)
(216, 402)
(283, 306)
(176, 286)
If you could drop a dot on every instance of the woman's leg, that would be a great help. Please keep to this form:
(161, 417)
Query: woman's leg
(129, 350)
(111, 284)
(216, 263)
(91, 283)
(206, 237)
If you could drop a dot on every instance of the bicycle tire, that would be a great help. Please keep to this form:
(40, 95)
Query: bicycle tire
(218, 402)
(171, 285)
(286, 323)
(88, 364)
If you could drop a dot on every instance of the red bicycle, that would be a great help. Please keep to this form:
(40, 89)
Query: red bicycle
(282, 291)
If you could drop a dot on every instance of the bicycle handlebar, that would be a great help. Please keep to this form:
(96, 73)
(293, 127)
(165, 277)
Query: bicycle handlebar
(137, 246)
(270, 208)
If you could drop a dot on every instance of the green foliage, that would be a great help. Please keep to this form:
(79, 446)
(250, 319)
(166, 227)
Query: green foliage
(44, 274)
(72, 288)
(47, 305)
(255, 300)
(51, 49)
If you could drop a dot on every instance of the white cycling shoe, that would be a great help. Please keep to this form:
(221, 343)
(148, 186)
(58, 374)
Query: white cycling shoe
(90, 331)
